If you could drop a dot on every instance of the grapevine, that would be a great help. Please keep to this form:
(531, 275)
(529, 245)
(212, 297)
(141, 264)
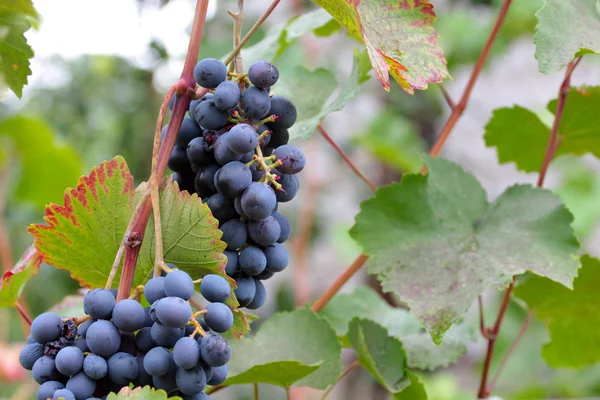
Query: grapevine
(168, 273)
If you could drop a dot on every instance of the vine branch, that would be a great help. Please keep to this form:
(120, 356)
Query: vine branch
(459, 108)
(337, 148)
(484, 388)
(345, 372)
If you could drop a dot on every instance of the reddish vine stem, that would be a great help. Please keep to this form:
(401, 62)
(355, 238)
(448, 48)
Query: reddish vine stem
(339, 282)
(447, 97)
(346, 158)
(23, 312)
(185, 86)
(484, 388)
(459, 108)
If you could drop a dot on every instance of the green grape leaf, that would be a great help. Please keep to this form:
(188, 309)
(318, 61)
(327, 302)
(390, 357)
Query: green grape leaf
(521, 137)
(380, 354)
(421, 351)
(299, 336)
(35, 145)
(138, 393)
(83, 236)
(571, 315)
(566, 29)
(70, 306)
(280, 37)
(311, 94)
(416, 390)
(441, 225)
(399, 37)
(14, 50)
(392, 139)
(278, 373)
(13, 281)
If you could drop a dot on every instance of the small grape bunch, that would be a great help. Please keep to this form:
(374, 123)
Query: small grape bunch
(165, 346)
(233, 152)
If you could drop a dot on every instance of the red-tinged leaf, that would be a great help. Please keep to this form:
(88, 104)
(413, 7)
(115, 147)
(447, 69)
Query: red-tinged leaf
(399, 37)
(14, 281)
(83, 235)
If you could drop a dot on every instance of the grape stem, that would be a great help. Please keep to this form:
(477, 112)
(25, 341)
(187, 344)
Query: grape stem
(79, 321)
(137, 292)
(256, 392)
(484, 389)
(185, 89)
(251, 32)
(126, 240)
(237, 64)
(23, 312)
(198, 330)
(447, 97)
(154, 182)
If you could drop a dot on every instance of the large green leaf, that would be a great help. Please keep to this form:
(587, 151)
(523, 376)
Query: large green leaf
(83, 236)
(14, 50)
(311, 93)
(13, 281)
(441, 225)
(566, 29)
(379, 353)
(571, 315)
(420, 350)
(399, 37)
(146, 393)
(280, 37)
(47, 167)
(521, 137)
(299, 336)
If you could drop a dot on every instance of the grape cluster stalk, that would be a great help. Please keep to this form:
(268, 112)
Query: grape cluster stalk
(232, 151)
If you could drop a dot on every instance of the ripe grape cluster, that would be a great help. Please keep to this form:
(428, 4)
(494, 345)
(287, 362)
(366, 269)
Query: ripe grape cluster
(165, 346)
(233, 152)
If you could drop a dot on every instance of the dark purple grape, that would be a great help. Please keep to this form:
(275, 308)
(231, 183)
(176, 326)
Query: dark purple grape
(232, 262)
(173, 312)
(276, 256)
(227, 95)
(290, 185)
(263, 74)
(292, 159)
(234, 234)
(221, 207)
(123, 368)
(178, 161)
(128, 315)
(215, 350)
(265, 231)
(210, 72)
(197, 154)
(246, 289)
(186, 352)
(258, 201)
(232, 179)
(260, 297)
(208, 116)
(242, 139)
(223, 154)
(188, 131)
(279, 137)
(252, 260)
(204, 182)
(284, 225)
(157, 362)
(285, 112)
(155, 289)
(30, 354)
(256, 102)
(178, 283)
(47, 327)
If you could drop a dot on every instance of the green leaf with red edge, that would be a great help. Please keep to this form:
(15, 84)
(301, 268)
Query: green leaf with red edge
(399, 37)
(14, 281)
(83, 236)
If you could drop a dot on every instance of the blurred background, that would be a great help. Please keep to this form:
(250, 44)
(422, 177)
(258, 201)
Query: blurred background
(101, 69)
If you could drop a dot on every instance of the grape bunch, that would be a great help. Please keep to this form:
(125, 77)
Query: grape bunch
(165, 346)
(233, 153)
